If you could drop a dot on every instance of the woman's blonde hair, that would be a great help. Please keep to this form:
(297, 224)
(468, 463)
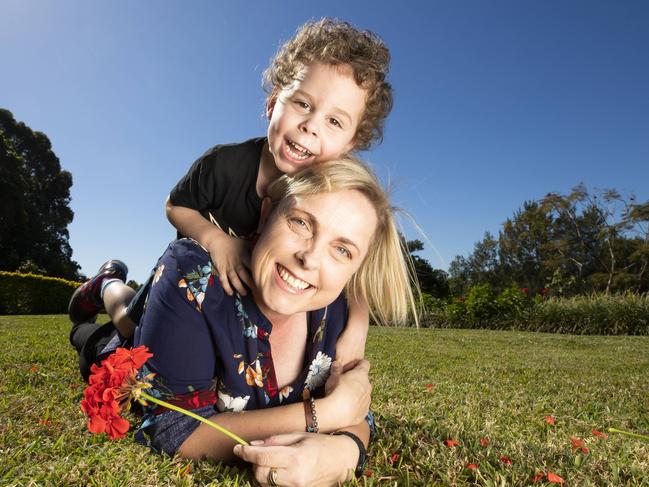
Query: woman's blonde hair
(386, 278)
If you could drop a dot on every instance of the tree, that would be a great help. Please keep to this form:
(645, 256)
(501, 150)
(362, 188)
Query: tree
(523, 246)
(431, 281)
(34, 202)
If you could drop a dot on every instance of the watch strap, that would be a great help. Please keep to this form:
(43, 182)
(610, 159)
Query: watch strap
(362, 452)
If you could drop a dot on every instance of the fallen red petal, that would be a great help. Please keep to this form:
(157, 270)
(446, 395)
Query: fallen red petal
(430, 386)
(451, 443)
(600, 434)
(554, 478)
(484, 442)
(471, 466)
(367, 473)
(549, 419)
(33, 369)
(45, 422)
(394, 458)
(576, 443)
(584, 449)
(539, 476)
(506, 460)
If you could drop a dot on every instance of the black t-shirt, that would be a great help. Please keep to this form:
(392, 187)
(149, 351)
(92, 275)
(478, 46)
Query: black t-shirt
(221, 185)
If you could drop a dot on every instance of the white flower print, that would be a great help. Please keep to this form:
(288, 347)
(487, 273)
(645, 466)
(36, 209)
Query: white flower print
(228, 403)
(318, 371)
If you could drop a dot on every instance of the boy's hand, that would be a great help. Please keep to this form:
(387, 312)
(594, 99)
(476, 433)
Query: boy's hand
(231, 259)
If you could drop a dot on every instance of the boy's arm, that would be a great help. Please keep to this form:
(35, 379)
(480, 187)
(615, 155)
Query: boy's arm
(351, 344)
(230, 255)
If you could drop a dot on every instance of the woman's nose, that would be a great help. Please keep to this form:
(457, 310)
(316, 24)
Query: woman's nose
(309, 257)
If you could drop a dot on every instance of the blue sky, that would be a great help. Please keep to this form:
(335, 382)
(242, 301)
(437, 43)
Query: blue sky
(495, 103)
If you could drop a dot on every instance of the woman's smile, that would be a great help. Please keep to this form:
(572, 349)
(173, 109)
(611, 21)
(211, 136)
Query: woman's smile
(290, 281)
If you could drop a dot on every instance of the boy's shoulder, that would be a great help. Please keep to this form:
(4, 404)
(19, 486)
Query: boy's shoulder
(249, 149)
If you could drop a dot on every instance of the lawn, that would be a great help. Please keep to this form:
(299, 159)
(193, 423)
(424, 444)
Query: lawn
(430, 386)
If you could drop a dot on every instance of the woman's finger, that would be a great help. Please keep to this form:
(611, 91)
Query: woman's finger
(287, 439)
(264, 456)
(263, 476)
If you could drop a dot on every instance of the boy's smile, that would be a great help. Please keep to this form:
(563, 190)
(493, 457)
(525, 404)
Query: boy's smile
(315, 119)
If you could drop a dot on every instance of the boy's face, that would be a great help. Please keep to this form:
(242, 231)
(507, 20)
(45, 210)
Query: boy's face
(315, 119)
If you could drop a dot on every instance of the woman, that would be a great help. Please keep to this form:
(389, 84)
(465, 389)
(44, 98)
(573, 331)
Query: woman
(264, 359)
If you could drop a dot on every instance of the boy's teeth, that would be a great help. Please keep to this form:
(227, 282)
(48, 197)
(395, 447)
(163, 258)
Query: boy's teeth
(290, 280)
(297, 151)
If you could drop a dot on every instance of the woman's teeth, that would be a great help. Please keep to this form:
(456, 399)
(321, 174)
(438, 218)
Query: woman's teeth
(297, 151)
(290, 280)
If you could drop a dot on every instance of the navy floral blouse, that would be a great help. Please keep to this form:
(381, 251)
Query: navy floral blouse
(213, 349)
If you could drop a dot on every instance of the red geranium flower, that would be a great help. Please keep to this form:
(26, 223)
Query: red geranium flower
(554, 478)
(506, 460)
(600, 434)
(549, 419)
(525, 290)
(484, 442)
(451, 443)
(113, 385)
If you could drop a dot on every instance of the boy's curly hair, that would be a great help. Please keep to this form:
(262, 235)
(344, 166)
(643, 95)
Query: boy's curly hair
(335, 42)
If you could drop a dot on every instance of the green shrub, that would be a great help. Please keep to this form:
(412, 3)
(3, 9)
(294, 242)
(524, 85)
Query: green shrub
(34, 294)
(480, 304)
(432, 310)
(620, 314)
(510, 304)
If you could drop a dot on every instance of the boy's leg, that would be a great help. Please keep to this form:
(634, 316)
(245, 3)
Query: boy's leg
(90, 339)
(87, 302)
(117, 297)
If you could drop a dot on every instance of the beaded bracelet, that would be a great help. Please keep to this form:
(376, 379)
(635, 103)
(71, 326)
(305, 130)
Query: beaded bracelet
(310, 416)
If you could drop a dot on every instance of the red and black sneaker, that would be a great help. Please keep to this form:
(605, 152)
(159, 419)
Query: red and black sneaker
(86, 302)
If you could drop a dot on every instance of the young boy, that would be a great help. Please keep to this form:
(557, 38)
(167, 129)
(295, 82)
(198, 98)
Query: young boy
(328, 95)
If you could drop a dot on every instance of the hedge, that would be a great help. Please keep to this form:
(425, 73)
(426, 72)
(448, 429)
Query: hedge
(34, 294)
(617, 314)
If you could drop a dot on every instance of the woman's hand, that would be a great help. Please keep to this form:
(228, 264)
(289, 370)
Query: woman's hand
(302, 459)
(349, 392)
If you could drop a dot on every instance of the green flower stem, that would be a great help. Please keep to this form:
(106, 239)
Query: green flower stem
(628, 433)
(195, 416)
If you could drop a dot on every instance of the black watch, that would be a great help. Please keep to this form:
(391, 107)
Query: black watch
(362, 452)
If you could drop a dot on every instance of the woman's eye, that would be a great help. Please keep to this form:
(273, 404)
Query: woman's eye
(344, 252)
(298, 225)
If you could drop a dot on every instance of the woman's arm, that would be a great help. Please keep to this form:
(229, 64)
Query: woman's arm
(345, 405)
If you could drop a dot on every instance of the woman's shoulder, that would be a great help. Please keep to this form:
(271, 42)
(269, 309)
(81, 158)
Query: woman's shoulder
(192, 263)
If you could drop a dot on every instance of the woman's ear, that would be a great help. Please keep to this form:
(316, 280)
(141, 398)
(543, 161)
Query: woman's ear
(266, 207)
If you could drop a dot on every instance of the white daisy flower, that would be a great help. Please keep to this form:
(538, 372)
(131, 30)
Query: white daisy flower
(318, 371)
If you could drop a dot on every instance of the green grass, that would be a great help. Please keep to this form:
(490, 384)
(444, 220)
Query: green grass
(486, 384)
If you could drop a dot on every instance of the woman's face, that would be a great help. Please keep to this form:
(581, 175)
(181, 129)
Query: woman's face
(309, 249)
